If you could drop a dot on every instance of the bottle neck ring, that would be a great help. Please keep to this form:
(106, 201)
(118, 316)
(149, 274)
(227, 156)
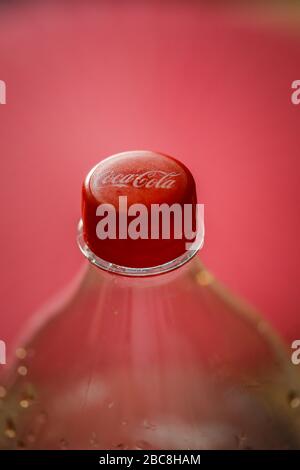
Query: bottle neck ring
(129, 271)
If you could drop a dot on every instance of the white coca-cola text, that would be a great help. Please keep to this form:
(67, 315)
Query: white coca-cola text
(148, 179)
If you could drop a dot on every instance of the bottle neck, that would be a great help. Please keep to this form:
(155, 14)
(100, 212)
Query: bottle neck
(95, 275)
(130, 271)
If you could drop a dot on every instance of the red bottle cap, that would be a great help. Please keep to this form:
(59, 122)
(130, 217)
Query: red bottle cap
(117, 231)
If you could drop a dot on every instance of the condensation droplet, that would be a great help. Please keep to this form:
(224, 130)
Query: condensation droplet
(10, 430)
(241, 439)
(149, 425)
(294, 399)
(110, 405)
(22, 370)
(21, 353)
(141, 445)
(115, 312)
(2, 391)
(124, 422)
(93, 441)
(21, 445)
(24, 403)
(26, 400)
(121, 446)
(10, 433)
(64, 444)
(204, 278)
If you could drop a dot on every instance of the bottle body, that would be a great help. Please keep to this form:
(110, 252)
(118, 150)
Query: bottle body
(163, 362)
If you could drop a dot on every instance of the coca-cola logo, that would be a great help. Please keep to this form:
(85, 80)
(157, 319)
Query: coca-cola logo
(157, 179)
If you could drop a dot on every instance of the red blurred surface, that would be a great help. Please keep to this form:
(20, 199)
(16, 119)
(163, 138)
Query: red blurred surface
(87, 81)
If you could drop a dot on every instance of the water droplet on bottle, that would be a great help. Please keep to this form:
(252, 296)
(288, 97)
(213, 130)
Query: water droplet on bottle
(241, 439)
(110, 405)
(21, 445)
(204, 278)
(120, 446)
(115, 312)
(27, 398)
(2, 391)
(10, 433)
(294, 399)
(21, 353)
(124, 422)
(24, 403)
(149, 425)
(22, 370)
(64, 444)
(93, 441)
(141, 445)
(10, 430)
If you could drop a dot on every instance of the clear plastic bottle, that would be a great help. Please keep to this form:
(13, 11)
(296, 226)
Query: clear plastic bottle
(133, 360)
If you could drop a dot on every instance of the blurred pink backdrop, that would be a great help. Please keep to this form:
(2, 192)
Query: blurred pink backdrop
(88, 80)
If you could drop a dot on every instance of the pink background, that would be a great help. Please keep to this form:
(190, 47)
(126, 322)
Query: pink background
(84, 82)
